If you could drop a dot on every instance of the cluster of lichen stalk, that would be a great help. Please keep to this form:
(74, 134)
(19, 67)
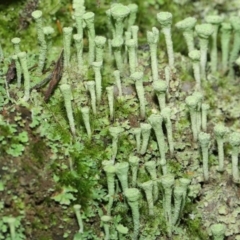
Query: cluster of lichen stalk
(122, 45)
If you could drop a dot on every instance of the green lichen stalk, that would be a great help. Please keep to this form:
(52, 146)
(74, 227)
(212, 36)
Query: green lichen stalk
(160, 87)
(115, 132)
(85, 116)
(79, 47)
(16, 43)
(11, 223)
(186, 26)
(167, 182)
(226, 29)
(106, 225)
(89, 20)
(117, 48)
(178, 201)
(235, 21)
(100, 43)
(204, 31)
(166, 113)
(134, 31)
(220, 132)
(215, 20)
(77, 208)
(234, 140)
(79, 10)
(122, 174)
(195, 55)
(110, 172)
(192, 103)
(152, 169)
(137, 77)
(205, 108)
(119, 12)
(133, 195)
(134, 164)
(67, 93)
(67, 36)
(91, 89)
(165, 19)
(131, 46)
(148, 189)
(98, 80)
(146, 131)
(117, 78)
(152, 38)
(156, 122)
(184, 183)
(133, 15)
(204, 140)
(37, 15)
(110, 96)
(137, 133)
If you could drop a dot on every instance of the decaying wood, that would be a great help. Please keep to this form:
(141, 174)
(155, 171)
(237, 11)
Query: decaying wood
(11, 72)
(55, 77)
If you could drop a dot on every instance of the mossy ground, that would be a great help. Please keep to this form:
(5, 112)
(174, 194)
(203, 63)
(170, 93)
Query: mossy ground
(53, 160)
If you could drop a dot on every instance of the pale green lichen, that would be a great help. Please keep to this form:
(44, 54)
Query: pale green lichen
(67, 36)
(110, 172)
(131, 46)
(194, 55)
(77, 208)
(89, 20)
(220, 132)
(67, 93)
(119, 12)
(226, 29)
(156, 122)
(117, 45)
(91, 89)
(106, 220)
(37, 15)
(186, 26)
(148, 189)
(215, 20)
(151, 167)
(115, 132)
(166, 113)
(152, 38)
(165, 19)
(137, 77)
(204, 31)
(122, 174)
(79, 47)
(160, 87)
(100, 43)
(86, 120)
(234, 140)
(167, 182)
(146, 131)
(134, 164)
(98, 80)
(110, 96)
(132, 195)
(218, 231)
(192, 104)
(204, 140)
